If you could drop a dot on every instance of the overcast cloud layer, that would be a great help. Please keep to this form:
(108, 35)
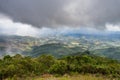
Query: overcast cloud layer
(58, 13)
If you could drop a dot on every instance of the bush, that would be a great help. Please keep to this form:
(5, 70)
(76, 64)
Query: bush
(60, 67)
(26, 66)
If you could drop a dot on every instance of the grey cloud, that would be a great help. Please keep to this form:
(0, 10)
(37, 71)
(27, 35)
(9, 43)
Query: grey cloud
(55, 13)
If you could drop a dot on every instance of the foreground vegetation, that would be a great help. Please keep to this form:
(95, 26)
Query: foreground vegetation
(23, 67)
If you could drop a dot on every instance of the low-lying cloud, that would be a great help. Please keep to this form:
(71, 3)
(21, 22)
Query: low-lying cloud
(9, 27)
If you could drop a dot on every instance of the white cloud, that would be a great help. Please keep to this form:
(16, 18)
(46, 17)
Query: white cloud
(111, 27)
(9, 27)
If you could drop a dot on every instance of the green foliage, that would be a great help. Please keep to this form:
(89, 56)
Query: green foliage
(20, 66)
(60, 67)
(45, 62)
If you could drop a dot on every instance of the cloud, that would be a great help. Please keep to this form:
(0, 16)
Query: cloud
(9, 27)
(111, 27)
(60, 13)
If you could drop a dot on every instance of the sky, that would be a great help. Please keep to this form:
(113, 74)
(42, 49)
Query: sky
(39, 17)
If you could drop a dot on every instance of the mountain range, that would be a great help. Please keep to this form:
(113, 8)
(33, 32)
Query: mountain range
(107, 45)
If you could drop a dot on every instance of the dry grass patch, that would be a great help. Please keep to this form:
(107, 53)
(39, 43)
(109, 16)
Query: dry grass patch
(77, 77)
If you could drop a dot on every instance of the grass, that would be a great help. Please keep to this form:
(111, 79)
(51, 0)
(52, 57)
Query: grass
(75, 77)
(66, 77)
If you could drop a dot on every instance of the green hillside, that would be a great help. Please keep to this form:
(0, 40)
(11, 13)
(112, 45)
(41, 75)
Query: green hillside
(16, 44)
(56, 49)
(113, 52)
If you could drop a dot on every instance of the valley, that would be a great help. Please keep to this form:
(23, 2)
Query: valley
(61, 45)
